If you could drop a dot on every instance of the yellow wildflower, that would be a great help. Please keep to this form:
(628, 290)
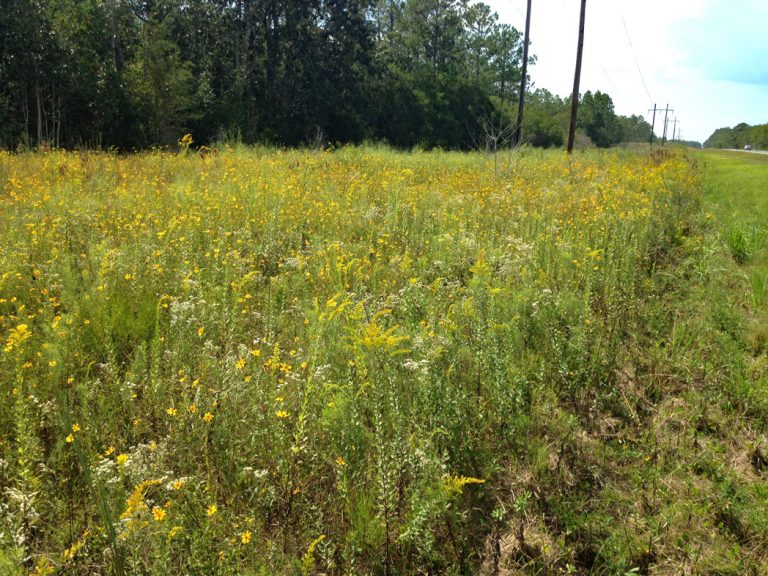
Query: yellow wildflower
(16, 337)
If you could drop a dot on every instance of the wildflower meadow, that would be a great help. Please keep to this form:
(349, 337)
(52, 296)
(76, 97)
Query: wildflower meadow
(359, 361)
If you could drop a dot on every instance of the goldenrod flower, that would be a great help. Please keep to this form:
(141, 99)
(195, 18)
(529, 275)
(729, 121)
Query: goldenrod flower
(16, 337)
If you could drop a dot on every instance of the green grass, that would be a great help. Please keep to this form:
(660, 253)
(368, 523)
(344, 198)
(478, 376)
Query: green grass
(737, 195)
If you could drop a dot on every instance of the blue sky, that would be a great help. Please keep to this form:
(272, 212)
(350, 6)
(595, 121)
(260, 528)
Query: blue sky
(707, 59)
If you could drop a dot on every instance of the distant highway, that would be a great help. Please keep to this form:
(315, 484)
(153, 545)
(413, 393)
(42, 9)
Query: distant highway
(747, 151)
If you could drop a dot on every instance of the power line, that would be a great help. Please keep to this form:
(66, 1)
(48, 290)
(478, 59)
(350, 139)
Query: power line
(634, 57)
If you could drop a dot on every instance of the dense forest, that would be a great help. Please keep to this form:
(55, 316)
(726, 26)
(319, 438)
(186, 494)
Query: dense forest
(739, 136)
(136, 73)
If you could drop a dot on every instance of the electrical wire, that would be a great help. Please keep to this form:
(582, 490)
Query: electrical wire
(634, 57)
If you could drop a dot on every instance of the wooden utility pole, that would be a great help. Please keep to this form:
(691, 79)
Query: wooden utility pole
(521, 101)
(674, 128)
(667, 110)
(577, 79)
(653, 123)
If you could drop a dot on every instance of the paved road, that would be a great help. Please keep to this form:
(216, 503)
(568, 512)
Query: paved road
(747, 151)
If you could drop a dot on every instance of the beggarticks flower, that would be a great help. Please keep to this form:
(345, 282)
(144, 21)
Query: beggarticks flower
(207, 417)
(282, 414)
(71, 436)
(158, 513)
(245, 537)
(171, 411)
(211, 510)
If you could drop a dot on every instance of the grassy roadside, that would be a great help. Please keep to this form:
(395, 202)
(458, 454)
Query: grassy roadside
(737, 190)
(719, 342)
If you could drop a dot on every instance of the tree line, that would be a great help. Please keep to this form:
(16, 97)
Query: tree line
(138, 73)
(739, 136)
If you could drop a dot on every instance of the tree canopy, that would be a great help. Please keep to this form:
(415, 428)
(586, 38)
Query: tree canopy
(739, 136)
(138, 73)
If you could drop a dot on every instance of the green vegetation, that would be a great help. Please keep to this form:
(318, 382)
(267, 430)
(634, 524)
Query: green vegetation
(739, 136)
(367, 362)
(133, 74)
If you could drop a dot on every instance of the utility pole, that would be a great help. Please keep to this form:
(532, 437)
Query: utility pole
(521, 103)
(667, 110)
(674, 128)
(577, 78)
(653, 123)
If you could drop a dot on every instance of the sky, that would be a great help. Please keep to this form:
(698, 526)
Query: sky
(706, 59)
